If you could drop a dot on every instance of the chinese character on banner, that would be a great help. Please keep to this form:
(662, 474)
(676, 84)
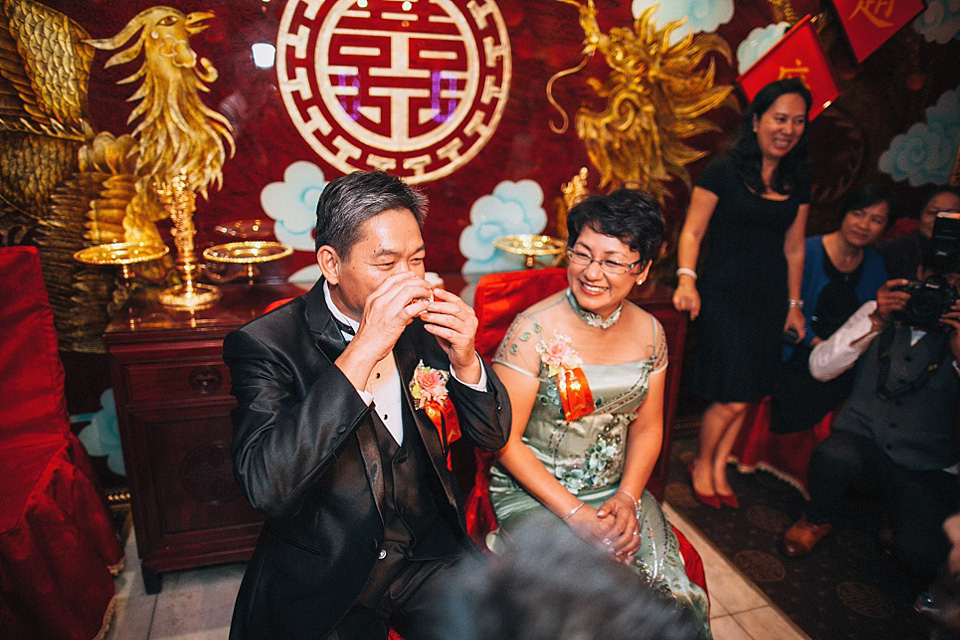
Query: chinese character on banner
(798, 54)
(868, 23)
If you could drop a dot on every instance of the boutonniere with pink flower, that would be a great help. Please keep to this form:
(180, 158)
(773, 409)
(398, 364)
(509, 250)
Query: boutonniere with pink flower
(429, 390)
(558, 354)
(564, 363)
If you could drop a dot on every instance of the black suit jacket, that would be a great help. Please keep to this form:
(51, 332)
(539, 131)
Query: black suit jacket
(306, 455)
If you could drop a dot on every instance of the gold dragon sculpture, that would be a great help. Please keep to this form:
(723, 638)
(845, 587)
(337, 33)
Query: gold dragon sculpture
(65, 185)
(655, 96)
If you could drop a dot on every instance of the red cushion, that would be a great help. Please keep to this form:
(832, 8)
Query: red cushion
(901, 226)
(499, 297)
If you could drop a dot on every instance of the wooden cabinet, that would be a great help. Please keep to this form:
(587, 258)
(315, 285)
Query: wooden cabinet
(173, 400)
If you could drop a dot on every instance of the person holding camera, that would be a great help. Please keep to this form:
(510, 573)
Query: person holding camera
(898, 428)
(902, 254)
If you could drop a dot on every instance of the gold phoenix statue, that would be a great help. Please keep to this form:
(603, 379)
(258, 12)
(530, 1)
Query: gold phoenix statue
(70, 186)
(655, 95)
(181, 203)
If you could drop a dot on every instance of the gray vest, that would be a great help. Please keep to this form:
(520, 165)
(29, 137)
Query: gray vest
(912, 420)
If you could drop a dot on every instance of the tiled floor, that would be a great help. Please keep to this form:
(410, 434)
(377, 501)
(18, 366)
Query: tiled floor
(196, 604)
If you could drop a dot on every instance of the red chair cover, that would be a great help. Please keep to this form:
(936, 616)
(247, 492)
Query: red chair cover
(786, 456)
(58, 548)
(498, 298)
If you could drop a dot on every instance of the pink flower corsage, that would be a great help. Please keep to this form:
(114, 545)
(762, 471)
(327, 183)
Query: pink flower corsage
(428, 385)
(564, 363)
(429, 390)
(558, 354)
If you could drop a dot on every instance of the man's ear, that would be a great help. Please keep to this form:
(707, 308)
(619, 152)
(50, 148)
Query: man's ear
(329, 263)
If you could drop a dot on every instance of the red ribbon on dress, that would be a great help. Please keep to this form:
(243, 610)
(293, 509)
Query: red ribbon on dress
(575, 395)
(444, 418)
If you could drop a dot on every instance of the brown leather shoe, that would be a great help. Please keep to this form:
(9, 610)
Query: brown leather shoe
(802, 536)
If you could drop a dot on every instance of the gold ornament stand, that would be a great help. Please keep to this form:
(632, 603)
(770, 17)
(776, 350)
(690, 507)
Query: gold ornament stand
(190, 294)
(248, 253)
(123, 254)
(532, 247)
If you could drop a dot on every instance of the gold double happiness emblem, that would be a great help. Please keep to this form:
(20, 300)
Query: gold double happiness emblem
(416, 88)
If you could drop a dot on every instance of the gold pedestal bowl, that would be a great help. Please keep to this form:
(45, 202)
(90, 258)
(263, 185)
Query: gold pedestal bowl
(123, 254)
(532, 247)
(248, 253)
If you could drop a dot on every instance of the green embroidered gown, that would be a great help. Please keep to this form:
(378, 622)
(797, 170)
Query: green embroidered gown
(587, 456)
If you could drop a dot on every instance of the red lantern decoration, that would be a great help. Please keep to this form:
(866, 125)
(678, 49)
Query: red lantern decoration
(869, 23)
(798, 54)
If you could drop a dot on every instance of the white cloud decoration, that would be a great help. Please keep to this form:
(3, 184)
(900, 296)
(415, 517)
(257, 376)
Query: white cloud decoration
(102, 436)
(514, 208)
(940, 22)
(293, 204)
(757, 43)
(926, 152)
(701, 15)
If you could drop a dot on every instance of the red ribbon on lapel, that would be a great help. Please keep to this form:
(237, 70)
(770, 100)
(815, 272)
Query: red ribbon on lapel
(444, 418)
(575, 395)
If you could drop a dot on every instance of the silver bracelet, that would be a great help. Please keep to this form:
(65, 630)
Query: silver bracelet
(683, 271)
(573, 511)
(796, 304)
(629, 495)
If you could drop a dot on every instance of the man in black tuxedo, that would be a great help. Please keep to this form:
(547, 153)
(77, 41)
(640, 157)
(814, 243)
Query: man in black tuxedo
(329, 443)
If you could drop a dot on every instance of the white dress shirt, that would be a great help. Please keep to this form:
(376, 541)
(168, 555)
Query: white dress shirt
(383, 386)
(841, 350)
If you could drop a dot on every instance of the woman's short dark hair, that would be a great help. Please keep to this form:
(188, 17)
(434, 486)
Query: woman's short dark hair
(869, 195)
(746, 149)
(349, 201)
(631, 215)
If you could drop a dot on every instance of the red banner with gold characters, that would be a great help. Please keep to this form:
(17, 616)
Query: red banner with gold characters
(798, 54)
(869, 23)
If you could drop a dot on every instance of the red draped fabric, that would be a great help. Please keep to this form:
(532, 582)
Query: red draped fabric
(497, 300)
(786, 456)
(58, 548)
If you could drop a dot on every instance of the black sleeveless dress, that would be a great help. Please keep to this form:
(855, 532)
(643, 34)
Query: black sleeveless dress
(743, 288)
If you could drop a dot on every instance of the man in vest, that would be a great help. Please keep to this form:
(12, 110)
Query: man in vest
(347, 400)
(898, 428)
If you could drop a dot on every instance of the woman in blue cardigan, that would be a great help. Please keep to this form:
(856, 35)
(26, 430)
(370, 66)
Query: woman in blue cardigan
(841, 272)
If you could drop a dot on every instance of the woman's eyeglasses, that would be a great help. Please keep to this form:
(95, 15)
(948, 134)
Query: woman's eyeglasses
(612, 267)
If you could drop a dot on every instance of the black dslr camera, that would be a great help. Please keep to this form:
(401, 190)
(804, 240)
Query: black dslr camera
(935, 296)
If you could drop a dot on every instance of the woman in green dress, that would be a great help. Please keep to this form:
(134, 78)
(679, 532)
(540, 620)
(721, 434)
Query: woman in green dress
(585, 371)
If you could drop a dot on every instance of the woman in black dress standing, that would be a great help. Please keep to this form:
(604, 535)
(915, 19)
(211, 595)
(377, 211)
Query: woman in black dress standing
(754, 201)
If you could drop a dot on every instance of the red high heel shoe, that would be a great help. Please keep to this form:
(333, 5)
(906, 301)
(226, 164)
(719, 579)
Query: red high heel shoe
(711, 500)
(729, 500)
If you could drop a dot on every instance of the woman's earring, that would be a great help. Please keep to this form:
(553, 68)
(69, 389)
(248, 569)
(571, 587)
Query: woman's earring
(639, 281)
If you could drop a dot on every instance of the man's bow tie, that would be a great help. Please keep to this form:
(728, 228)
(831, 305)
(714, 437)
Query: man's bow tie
(344, 327)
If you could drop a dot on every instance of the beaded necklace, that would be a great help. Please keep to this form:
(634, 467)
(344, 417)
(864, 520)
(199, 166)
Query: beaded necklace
(591, 318)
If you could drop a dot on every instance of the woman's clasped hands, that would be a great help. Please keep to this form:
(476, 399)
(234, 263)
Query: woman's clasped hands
(613, 527)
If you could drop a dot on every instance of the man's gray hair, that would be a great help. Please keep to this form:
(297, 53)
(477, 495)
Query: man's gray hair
(349, 201)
